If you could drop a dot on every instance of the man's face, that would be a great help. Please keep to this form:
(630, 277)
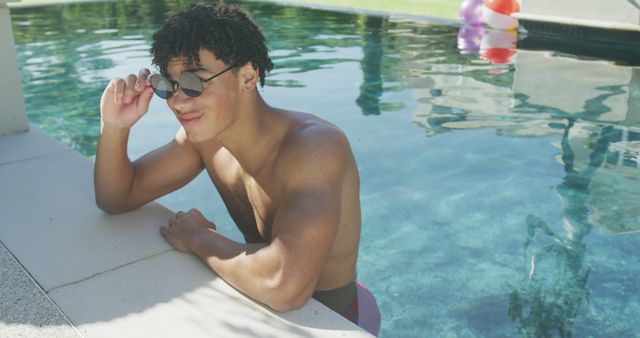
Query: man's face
(205, 116)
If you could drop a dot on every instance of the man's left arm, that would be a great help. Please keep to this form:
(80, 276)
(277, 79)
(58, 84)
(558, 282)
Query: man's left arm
(283, 273)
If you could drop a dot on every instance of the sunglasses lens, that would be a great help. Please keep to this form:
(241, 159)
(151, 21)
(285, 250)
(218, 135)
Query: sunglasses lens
(190, 84)
(161, 86)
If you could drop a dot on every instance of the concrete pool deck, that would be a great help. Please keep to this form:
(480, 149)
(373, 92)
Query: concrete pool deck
(70, 270)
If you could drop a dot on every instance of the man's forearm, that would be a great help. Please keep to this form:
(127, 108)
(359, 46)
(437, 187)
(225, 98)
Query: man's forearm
(113, 172)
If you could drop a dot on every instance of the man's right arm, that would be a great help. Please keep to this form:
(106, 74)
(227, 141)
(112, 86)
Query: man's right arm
(121, 185)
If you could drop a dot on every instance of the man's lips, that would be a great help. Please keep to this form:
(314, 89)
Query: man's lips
(189, 119)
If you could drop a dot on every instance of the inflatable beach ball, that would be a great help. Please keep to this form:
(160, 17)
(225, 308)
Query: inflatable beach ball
(471, 12)
(497, 14)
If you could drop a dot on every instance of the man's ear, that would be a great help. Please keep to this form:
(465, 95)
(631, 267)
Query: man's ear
(249, 76)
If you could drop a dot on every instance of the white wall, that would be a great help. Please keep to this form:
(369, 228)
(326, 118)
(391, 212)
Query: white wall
(13, 117)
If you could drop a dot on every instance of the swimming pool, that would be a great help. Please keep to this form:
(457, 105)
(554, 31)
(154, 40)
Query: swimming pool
(498, 200)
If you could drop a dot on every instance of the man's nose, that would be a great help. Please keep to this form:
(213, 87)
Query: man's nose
(180, 101)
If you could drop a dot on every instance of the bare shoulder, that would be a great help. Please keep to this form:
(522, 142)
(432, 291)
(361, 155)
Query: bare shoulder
(181, 138)
(314, 149)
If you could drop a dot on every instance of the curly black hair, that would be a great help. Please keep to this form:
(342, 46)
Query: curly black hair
(226, 30)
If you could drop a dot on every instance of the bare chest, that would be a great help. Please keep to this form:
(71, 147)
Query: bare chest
(251, 204)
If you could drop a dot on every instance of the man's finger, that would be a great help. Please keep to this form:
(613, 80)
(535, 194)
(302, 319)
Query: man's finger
(142, 78)
(129, 91)
(144, 99)
(118, 90)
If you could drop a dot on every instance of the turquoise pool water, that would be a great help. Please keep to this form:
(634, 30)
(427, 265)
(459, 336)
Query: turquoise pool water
(498, 199)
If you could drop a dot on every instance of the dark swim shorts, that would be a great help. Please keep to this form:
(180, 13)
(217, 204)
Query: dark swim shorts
(354, 302)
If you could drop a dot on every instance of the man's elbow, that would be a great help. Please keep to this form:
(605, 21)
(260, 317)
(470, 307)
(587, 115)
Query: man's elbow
(288, 297)
(286, 304)
(109, 208)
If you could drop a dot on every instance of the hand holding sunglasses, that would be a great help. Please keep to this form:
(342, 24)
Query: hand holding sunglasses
(125, 100)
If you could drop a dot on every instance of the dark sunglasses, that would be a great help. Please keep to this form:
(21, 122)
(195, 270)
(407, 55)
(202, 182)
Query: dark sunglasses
(189, 82)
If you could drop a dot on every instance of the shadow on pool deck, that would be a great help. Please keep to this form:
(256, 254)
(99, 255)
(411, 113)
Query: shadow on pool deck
(115, 275)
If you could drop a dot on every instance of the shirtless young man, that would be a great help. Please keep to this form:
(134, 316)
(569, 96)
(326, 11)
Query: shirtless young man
(288, 179)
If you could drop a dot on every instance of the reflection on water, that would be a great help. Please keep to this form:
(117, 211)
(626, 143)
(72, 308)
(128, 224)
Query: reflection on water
(601, 185)
(455, 133)
(547, 301)
(547, 90)
(371, 88)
